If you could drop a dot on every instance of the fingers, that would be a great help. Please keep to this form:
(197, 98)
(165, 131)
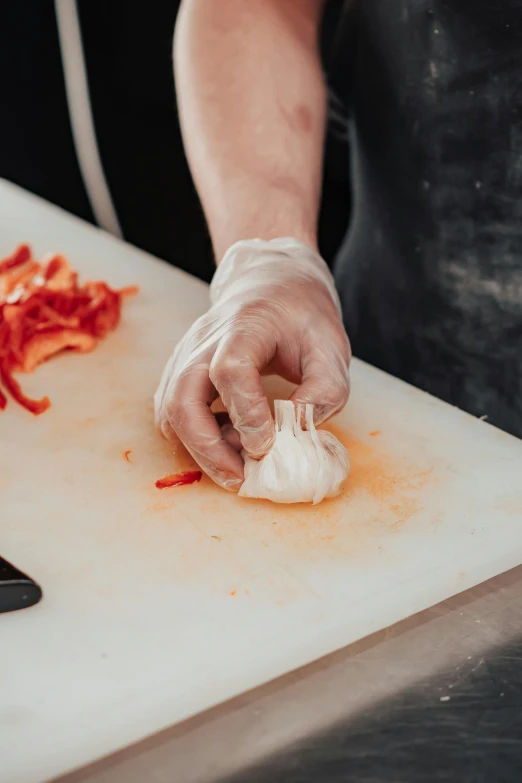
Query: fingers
(326, 381)
(168, 433)
(235, 372)
(229, 433)
(187, 414)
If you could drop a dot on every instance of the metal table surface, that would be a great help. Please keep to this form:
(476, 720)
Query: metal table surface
(437, 697)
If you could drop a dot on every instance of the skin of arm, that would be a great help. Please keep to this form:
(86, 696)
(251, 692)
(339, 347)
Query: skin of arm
(252, 103)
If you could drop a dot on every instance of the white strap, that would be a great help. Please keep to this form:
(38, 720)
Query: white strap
(80, 114)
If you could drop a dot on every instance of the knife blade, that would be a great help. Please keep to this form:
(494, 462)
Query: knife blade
(17, 590)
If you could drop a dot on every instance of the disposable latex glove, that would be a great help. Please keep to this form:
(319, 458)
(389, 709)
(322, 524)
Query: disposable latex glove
(274, 310)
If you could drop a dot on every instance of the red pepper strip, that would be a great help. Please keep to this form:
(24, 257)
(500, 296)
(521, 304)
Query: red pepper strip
(65, 304)
(20, 277)
(3, 400)
(179, 479)
(58, 274)
(106, 316)
(5, 333)
(40, 347)
(13, 387)
(19, 319)
(21, 255)
(106, 321)
(54, 266)
(102, 312)
(55, 319)
(129, 290)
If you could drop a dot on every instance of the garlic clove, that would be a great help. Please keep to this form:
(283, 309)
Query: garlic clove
(303, 465)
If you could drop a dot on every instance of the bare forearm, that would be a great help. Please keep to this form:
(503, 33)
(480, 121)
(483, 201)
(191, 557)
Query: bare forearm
(252, 106)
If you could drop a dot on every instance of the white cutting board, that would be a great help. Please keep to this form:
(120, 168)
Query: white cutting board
(159, 604)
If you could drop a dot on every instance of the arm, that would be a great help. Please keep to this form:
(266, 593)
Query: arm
(252, 105)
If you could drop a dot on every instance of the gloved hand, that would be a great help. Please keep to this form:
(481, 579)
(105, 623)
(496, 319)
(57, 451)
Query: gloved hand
(274, 310)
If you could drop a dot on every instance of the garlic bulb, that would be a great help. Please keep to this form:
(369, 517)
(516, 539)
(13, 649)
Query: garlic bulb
(303, 465)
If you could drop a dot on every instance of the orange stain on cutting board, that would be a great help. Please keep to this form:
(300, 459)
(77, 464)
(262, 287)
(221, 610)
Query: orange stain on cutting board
(382, 493)
(387, 480)
(161, 506)
(203, 536)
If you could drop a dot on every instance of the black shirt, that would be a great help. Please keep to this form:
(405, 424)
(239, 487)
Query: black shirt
(431, 272)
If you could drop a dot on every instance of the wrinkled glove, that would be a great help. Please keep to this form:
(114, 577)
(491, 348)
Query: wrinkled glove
(274, 310)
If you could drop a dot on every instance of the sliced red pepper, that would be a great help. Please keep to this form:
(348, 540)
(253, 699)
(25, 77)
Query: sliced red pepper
(129, 290)
(179, 479)
(42, 346)
(4, 337)
(20, 277)
(58, 275)
(21, 255)
(13, 387)
(54, 318)
(43, 311)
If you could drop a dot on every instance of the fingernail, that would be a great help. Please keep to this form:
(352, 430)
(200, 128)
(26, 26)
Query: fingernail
(228, 481)
(257, 445)
(263, 449)
(232, 485)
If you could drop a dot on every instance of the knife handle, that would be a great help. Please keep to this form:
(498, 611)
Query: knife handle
(17, 590)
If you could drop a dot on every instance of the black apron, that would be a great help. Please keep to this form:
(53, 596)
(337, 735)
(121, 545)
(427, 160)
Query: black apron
(431, 272)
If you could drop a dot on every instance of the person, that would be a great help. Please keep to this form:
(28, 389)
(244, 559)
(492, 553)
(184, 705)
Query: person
(252, 103)
(430, 274)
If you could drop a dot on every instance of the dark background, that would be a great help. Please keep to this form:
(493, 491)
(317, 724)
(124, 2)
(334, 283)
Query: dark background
(128, 54)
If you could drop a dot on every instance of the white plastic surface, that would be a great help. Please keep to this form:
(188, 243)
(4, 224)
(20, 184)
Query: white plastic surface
(159, 604)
